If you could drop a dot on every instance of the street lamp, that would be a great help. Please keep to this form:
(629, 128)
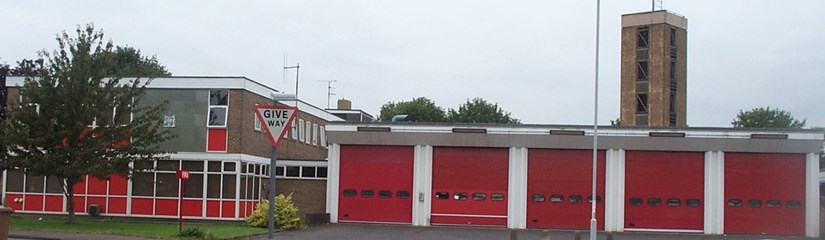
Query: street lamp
(593, 197)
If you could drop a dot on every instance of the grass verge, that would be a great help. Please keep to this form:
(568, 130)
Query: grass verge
(127, 227)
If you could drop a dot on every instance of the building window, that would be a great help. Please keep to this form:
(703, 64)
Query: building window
(641, 103)
(308, 132)
(218, 107)
(294, 129)
(323, 137)
(257, 123)
(301, 130)
(672, 71)
(673, 37)
(315, 134)
(642, 37)
(479, 196)
(641, 71)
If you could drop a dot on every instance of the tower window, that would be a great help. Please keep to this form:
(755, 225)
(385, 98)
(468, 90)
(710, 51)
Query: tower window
(672, 70)
(642, 37)
(641, 103)
(672, 37)
(641, 70)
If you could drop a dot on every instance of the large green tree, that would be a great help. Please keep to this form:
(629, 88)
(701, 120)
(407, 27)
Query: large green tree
(128, 62)
(480, 111)
(418, 109)
(76, 119)
(766, 118)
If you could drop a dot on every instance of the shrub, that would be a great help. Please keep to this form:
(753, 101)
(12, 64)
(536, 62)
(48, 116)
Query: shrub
(195, 233)
(286, 214)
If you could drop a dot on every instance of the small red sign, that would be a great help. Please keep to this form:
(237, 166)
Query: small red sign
(182, 174)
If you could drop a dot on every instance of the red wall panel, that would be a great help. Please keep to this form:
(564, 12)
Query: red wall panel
(9, 198)
(117, 205)
(458, 170)
(33, 202)
(192, 207)
(566, 173)
(167, 207)
(54, 203)
(228, 210)
(79, 204)
(216, 139)
(376, 169)
(97, 186)
(100, 201)
(80, 187)
(142, 206)
(117, 185)
(213, 208)
(765, 177)
(664, 175)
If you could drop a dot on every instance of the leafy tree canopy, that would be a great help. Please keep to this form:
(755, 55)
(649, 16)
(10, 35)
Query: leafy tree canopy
(418, 109)
(128, 62)
(766, 118)
(480, 111)
(76, 119)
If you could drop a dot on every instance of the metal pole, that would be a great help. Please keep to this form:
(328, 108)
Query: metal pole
(297, 72)
(180, 207)
(593, 197)
(272, 160)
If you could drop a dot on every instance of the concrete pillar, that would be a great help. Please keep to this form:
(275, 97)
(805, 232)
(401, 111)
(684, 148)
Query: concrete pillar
(812, 195)
(422, 185)
(333, 178)
(714, 205)
(614, 191)
(517, 189)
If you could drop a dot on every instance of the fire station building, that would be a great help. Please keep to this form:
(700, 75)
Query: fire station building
(703, 180)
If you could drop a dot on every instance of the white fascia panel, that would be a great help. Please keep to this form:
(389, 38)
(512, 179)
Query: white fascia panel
(812, 195)
(614, 190)
(517, 189)
(333, 181)
(422, 185)
(714, 206)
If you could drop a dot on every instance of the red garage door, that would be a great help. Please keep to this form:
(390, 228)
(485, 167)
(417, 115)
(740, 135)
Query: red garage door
(470, 186)
(559, 186)
(765, 194)
(664, 190)
(375, 184)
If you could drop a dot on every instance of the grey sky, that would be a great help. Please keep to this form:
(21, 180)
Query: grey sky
(534, 58)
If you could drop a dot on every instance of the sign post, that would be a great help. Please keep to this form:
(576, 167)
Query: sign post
(183, 175)
(275, 120)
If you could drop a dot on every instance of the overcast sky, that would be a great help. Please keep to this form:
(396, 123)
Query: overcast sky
(534, 58)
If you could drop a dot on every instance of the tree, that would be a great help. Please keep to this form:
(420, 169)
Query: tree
(128, 62)
(74, 119)
(480, 111)
(418, 109)
(766, 118)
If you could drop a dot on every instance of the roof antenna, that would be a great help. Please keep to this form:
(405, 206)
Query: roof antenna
(329, 89)
(656, 5)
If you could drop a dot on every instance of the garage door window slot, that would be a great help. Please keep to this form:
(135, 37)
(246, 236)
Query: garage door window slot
(402, 194)
(794, 204)
(692, 202)
(497, 197)
(442, 195)
(367, 193)
(734, 203)
(674, 202)
(598, 199)
(754, 203)
(575, 198)
(654, 202)
(774, 203)
(556, 198)
(635, 201)
(349, 192)
(538, 197)
(479, 196)
(460, 196)
(385, 194)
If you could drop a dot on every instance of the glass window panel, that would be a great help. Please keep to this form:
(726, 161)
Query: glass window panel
(168, 165)
(654, 201)
(385, 194)
(217, 117)
(193, 188)
(497, 197)
(309, 172)
(460, 196)
(244, 188)
(754, 203)
(674, 202)
(322, 172)
(144, 165)
(402, 194)
(143, 184)
(692, 202)
(598, 199)
(34, 184)
(635, 201)
(14, 182)
(349, 192)
(367, 193)
(53, 185)
(774, 203)
(213, 186)
(575, 198)
(479, 196)
(309, 132)
(292, 171)
(279, 171)
(734, 203)
(228, 166)
(218, 97)
(229, 186)
(194, 166)
(557, 198)
(167, 185)
(538, 197)
(442, 195)
(214, 166)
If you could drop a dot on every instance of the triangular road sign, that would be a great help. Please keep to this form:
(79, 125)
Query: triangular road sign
(275, 121)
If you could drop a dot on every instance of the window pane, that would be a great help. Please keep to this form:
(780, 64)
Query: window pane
(598, 199)
(385, 194)
(143, 184)
(367, 193)
(294, 129)
(460, 196)
(167, 185)
(217, 116)
(218, 97)
(323, 137)
(442, 195)
(654, 201)
(641, 70)
(635, 201)
(53, 185)
(774, 203)
(214, 166)
(14, 181)
(692, 202)
(213, 186)
(479, 196)
(292, 171)
(309, 133)
(244, 187)
(301, 130)
(34, 184)
(674, 202)
(402, 194)
(228, 186)
(754, 203)
(309, 172)
(144, 165)
(193, 188)
(229, 167)
(168, 165)
(497, 197)
(641, 103)
(195, 166)
(322, 172)
(279, 171)
(538, 197)
(734, 203)
(349, 192)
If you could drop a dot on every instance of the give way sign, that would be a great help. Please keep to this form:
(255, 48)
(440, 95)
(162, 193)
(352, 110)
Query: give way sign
(275, 120)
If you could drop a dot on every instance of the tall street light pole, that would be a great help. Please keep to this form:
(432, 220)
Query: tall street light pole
(593, 198)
